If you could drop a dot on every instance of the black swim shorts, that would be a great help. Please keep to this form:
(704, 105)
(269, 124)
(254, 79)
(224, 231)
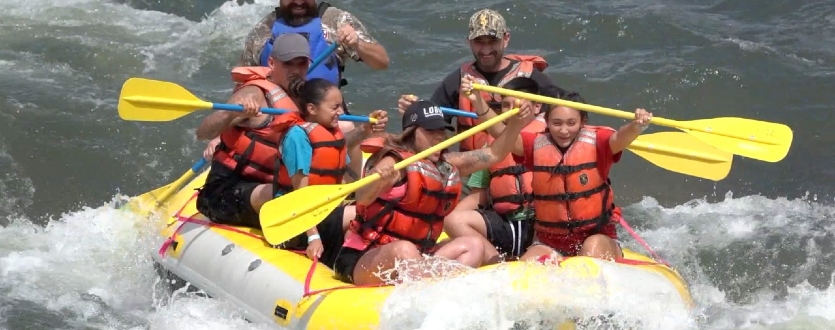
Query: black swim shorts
(509, 237)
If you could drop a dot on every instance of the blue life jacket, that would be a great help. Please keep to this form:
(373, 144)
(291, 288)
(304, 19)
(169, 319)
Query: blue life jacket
(330, 68)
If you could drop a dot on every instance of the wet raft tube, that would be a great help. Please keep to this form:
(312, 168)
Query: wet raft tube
(268, 285)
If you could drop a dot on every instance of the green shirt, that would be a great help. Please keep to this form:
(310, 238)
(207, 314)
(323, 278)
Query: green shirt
(479, 180)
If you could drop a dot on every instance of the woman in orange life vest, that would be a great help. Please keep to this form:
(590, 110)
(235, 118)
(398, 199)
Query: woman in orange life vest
(400, 216)
(313, 151)
(241, 178)
(499, 206)
(574, 207)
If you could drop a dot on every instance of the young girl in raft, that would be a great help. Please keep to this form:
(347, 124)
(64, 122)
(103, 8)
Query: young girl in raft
(400, 216)
(574, 206)
(313, 151)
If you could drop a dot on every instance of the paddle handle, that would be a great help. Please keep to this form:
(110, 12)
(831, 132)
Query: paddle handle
(606, 111)
(273, 111)
(176, 185)
(459, 113)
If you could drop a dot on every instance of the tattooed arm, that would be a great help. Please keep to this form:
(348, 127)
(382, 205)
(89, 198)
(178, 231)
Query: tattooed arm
(471, 161)
(221, 120)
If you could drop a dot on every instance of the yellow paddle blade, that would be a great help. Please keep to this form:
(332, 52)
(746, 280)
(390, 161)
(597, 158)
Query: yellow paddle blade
(311, 204)
(148, 202)
(286, 220)
(169, 101)
(152, 200)
(682, 153)
(755, 139)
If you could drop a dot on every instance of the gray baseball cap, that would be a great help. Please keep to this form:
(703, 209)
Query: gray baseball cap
(289, 46)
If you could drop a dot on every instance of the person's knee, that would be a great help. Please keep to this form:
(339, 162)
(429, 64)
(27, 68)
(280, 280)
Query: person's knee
(403, 250)
(600, 241)
(260, 195)
(537, 251)
(471, 244)
(600, 246)
(453, 220)
(458, 221)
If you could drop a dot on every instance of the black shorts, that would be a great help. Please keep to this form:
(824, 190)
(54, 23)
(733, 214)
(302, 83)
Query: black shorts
(346, 260)
(509, 237)
(225, 198)
(331, 234)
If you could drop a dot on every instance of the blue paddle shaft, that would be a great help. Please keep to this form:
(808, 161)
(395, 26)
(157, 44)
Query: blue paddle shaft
(459, 113)
(323, 56)
(273, 111)
(198, 165)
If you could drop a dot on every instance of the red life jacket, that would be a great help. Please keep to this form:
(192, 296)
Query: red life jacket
(327, 166)
(252, 152)
(430, 195)
(510, 182)
(569, 193)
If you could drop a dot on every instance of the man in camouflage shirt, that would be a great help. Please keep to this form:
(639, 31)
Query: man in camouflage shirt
(337, 24)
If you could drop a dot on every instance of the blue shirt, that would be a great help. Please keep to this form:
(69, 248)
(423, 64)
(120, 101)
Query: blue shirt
(297, 154)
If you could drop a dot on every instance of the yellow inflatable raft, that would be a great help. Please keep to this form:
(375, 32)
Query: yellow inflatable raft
(268, 284)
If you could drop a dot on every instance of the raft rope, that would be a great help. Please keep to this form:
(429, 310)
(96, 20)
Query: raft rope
(315, 262)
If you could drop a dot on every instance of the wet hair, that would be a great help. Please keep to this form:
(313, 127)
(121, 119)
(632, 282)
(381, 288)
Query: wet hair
(573, 97)
(522, 84)
(403, 141)
(312, 91)
(527, 85)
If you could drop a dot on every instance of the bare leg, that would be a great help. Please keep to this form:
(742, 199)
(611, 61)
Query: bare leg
(349, 214)
(470, 223)
(468, 250)
(260, 196)
(383, 258)
(600, 246)
(538, 250)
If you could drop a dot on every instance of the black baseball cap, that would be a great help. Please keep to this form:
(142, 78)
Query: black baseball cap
(425, 114)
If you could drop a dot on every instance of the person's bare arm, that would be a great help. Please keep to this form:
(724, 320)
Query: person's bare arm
(367, 49)
(629, 132)
(220, 120)
(476, 160)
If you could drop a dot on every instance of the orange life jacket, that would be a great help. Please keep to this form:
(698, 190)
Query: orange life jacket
(430, 195)
(510, 182)
(569, 193)
(327, 166)
(252, 152)
(522, 66)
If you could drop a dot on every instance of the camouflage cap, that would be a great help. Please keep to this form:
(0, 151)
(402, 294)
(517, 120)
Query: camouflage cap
(487, 22)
